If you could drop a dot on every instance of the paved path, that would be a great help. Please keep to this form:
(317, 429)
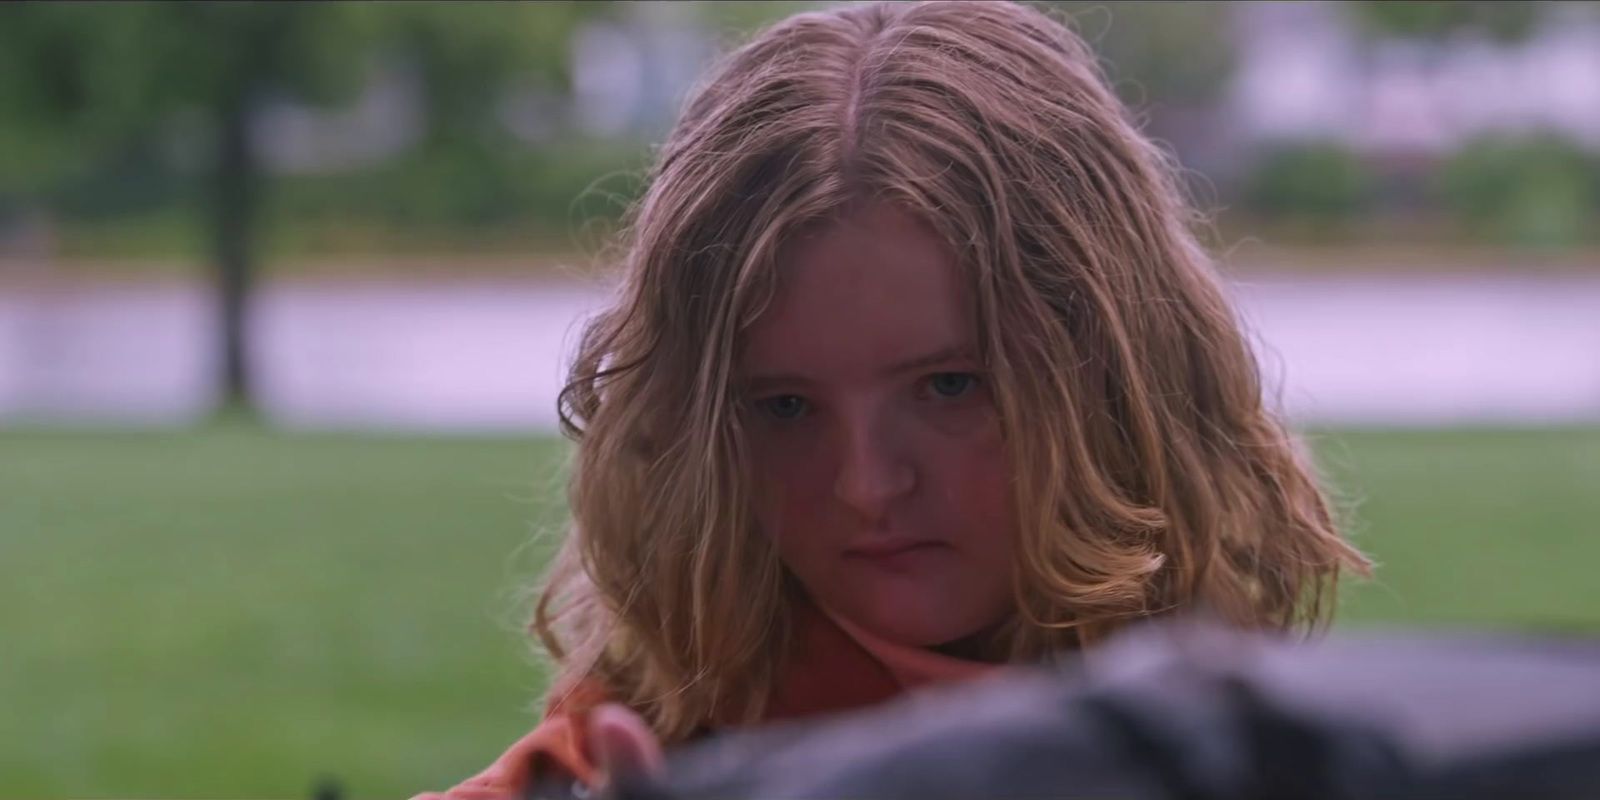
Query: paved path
(489, 356)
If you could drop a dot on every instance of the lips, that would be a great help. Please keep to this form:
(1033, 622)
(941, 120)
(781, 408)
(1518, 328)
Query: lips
(889, 547)
(895, 553)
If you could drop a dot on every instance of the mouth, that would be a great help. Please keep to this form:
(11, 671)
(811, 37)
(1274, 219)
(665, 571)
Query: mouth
(893, 551)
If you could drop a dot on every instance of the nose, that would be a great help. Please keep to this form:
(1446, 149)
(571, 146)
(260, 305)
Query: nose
(875, 469)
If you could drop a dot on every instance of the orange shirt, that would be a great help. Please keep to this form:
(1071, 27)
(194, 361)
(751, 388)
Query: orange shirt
(836, 667)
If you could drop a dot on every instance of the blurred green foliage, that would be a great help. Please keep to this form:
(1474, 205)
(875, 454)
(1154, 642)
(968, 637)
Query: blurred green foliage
(1540, 191)
(88, 90)
(462, 195)
(735, 20)
(84, 84)
(91, 93)
(1504, 20)
(470, 51)
(108, 72)
(473, 186)
(1320, 186)
(83, 80)
(1157, 54)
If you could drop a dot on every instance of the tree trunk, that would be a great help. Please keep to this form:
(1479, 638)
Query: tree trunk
(237, 188)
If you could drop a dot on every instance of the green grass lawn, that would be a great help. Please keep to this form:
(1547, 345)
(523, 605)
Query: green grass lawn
(235, 613)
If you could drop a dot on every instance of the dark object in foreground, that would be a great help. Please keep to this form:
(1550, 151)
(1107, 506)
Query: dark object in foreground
(1184, 711)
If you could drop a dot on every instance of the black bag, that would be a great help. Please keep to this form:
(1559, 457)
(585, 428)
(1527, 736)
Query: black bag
(1182, 710)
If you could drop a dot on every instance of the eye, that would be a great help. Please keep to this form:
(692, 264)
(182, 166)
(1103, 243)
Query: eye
(952, 384)
(783, 406)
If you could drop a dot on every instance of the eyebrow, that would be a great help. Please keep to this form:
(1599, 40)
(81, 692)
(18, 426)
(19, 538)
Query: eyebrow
(941, 356)
(911, 364)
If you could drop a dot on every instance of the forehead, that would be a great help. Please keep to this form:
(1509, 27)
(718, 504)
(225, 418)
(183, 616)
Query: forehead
(874, 287)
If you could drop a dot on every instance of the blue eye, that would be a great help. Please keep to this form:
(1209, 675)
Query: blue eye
(952, 384)
(784, 406)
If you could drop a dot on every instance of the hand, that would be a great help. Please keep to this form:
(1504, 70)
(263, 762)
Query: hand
(623, 745)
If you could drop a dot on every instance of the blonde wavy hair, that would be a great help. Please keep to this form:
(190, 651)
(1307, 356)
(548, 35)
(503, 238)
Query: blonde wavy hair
(1149, 474)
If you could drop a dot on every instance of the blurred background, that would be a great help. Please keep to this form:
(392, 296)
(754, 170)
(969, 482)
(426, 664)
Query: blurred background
(286, 290)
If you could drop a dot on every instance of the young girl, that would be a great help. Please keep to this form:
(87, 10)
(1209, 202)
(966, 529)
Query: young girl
(917, 369)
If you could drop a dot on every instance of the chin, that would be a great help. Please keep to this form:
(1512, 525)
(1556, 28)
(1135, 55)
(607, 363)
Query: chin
(917, 629)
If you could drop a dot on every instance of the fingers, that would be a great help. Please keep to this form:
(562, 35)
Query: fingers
(623, 745)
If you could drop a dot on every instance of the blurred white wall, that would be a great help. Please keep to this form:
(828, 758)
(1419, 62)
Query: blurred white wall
(1303, 73)
(491, 356)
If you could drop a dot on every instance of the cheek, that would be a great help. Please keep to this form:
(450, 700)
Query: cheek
(973, 483)
(794, 483)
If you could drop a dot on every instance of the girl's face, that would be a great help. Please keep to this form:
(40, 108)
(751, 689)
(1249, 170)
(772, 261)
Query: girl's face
(881, 469)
